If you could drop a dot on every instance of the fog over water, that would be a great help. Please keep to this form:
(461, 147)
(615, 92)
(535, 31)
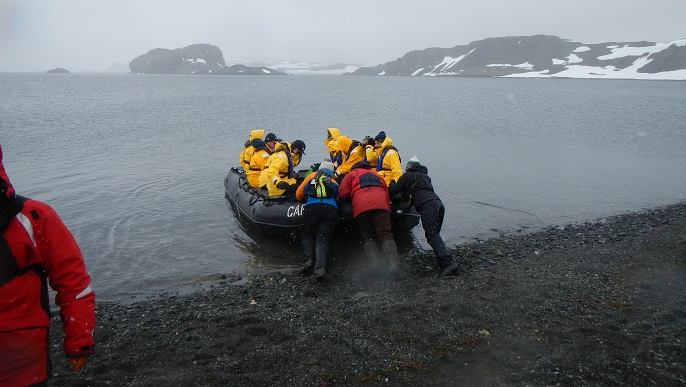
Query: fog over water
(85, 35)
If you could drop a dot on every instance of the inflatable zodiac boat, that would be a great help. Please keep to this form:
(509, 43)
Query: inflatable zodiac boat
(283, 216)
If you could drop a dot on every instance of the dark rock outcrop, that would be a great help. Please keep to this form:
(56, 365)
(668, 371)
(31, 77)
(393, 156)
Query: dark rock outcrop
(58, 70)
(670, 59)
(193, 59)
(187, 60)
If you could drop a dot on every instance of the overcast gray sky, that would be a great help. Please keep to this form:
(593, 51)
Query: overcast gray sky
(90, 35)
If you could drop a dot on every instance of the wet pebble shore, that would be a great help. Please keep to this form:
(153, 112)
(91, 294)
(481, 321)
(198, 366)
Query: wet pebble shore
(600, 303)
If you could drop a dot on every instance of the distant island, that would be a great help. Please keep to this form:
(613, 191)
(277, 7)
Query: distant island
(58, 70)
(542, 56)
(193, 59)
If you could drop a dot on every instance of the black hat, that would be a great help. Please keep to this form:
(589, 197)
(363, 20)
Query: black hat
(271, 137)
(412, 163)
(299, 144)
(380, 137)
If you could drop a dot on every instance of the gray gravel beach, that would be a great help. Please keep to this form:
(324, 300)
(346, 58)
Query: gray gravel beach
(600, 303)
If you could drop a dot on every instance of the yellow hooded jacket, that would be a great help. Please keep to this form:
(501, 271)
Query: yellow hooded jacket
(276, 170)
(332, 134)
(390, 165)
(372, 155)
(349, 156)
(258, 163)
(246, 155)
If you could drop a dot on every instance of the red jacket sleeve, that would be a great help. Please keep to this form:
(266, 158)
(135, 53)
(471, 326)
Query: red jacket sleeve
(345, 188)
(66, 272)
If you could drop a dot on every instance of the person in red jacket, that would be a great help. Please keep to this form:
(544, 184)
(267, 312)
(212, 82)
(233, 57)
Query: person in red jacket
(372, 212)
(37, 248)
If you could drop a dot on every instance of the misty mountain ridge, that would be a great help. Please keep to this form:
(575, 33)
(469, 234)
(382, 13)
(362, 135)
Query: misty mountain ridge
(537, 56)
(296, 67)
(542, 56)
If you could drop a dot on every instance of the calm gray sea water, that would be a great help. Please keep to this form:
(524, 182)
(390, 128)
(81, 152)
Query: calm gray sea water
(134, 164)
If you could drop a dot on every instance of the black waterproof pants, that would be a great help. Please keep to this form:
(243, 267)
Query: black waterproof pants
(432, 213)
(320, 221)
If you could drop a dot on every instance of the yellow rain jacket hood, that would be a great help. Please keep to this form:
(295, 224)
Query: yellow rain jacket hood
(249, 149)
(332, 134)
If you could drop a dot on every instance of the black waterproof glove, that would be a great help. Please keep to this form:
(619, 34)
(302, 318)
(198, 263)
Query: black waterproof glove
(290, 191)
(282, 185)
(367, 141)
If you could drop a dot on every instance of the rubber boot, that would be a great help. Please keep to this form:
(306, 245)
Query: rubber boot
(391, 252)
(451, 269)
(372, 252)
(319, 274)
(308, 249)
(307, 267)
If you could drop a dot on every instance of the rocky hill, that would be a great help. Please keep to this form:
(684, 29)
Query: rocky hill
(193, 59)
(58, 70)
(542, 56)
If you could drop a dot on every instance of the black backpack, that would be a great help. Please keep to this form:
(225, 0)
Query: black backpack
(320, 186)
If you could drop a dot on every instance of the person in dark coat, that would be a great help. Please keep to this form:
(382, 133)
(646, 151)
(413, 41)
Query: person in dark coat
(372, 212)
(415, 186)
(320, 217)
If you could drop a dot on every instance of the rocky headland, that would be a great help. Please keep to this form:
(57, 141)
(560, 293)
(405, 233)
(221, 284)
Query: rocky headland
(193, 59)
